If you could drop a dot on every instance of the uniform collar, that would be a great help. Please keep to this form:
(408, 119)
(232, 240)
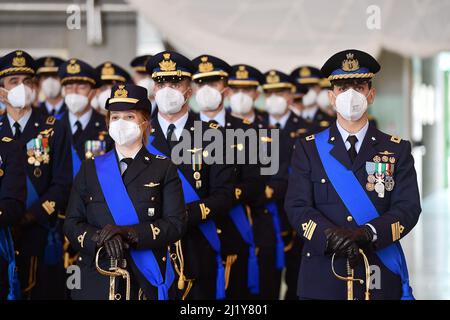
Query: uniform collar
(120, 156)
(282, 121)
(22, 121)
(309, 113)
(179, 124)
(84, 120)
(220, 117)
(57, 107)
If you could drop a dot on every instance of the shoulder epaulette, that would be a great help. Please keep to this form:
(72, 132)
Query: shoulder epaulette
(51, 120)
(396, 139)
(160, 157)
(6, 139)
(310, 138)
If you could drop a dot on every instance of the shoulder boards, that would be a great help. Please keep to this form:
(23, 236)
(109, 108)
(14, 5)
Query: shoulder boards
(245, 121)
(160, 157)
(213, 125)
(6, 139)
(302, 130)
(310, 138)
(396, 139)
(51, 120)
(324, 123)
(370, 117)
(295, 119)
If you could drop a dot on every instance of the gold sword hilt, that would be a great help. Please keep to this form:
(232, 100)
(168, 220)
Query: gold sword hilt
(350, 278)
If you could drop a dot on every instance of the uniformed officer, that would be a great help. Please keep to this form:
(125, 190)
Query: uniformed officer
(310, 77)
(50, 85)
(297, 102)
(110, 74)
(142, 78)
(353, 188)
(243, 82)
(278, 88)
(12, 207)
(86, 126)
(237, 236)
(128, 202)
(207, 185)
(46, 148)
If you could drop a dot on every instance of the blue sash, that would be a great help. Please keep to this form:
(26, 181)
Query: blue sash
(361, 208)
(8, 254)
(237, 214)
(59, 115)
(76, 162)
(32, 195)
(208, 228)
(124, 213)
(273, 210)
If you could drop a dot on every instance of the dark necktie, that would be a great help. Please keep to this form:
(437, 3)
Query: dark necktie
(127, 161)
(17, 133)
(352, 151)
(53, 112)
(277, 125)
(171, 137)
(78, 132)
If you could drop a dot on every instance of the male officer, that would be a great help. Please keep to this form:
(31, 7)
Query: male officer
(142, 78)
(243, 83)
(110, 74)
(50, 85)
(278, 88)
(86, 127)
(46, 148)
(207, 186)
(12, 207)
(310, 77)
(237, 237)
(352, 188)
(297, 101)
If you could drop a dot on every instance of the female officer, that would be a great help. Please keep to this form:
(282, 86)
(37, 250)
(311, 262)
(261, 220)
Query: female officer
(127, 204)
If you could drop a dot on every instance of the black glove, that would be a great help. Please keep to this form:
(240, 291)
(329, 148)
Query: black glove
(115, 247)
(129, 234)
(339, 239)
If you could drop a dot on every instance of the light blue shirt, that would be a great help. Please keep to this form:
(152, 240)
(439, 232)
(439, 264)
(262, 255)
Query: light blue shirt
(55, 107)
(22, 121)
(359, 135)
(282, 121)
(220, 117)
(84, 120)
(179, 125)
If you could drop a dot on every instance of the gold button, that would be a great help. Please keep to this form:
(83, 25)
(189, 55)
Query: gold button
(308, 254)
(349, 218)
(163, 258)
(323, 180)
(219, 231)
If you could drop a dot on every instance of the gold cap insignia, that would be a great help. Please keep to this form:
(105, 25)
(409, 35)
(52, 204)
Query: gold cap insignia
(49, 62)
(73, 67)
(205, 65)
(108, 69)
(167, 64)
(121, 92)
(350, 64)
(18, 60)
(242, 73)
(305, 72)
(272, 77)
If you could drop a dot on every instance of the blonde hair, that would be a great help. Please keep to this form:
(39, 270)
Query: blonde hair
(144, 119)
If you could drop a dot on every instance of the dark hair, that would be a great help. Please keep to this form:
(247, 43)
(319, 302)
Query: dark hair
(343, 82)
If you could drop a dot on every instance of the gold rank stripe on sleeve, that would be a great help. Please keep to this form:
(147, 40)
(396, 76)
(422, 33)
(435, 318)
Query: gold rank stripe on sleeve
(81, 239)
(155, 231)
(397, 230)
(205, 211)
(309, 229)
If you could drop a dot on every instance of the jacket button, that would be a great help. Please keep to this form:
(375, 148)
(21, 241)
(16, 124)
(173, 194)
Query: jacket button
(90, 198)
(219, 231)
(308, 254)
(164, 259)
(152, 198)
(323, 180)
(1, 213)
(349, 218)
(80, 258)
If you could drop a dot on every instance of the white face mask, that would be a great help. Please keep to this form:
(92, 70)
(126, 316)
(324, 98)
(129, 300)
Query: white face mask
(21, 96)
(101, 98)
(208, 98)
(76, 102)
(51, 87)
(351, 105)
(94, 102)
(241, 103)
(323, 100)
(169, 100)
(276, 105)
(124, 132)
(148, 84)
(309, 98)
